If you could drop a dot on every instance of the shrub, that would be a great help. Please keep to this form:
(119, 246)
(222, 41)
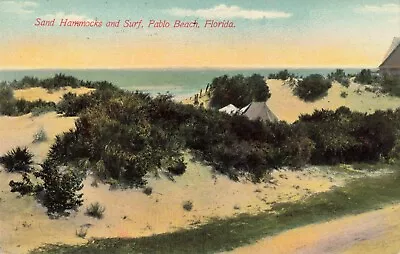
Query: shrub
(82, 232)
(312, 87)
(282, 75)
(24, 187)
(95, 210)
(344, 94)
(187, 205)
(340, 76)
(391, 85)
(238, 90)
(60, 187)
(178, 168)
(40, 110)
(40, 136)
(364, 77)
(148, 191)
(17, 160)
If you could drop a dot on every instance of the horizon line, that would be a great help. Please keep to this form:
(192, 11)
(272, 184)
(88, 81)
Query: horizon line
(191, 68)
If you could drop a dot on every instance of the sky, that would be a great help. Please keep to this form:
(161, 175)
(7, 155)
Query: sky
(266, 33)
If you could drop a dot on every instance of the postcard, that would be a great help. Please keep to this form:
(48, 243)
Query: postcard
(209, 126)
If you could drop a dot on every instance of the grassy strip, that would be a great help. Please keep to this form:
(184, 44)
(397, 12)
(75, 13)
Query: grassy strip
(358, 196)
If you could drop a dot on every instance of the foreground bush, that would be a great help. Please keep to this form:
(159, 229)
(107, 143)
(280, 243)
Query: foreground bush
(57, 188)
(312, 87)
(17, 160)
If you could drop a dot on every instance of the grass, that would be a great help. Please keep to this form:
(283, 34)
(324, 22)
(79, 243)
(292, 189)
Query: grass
(95, 210)
(358, 196)
(40, 136)
(82, 232)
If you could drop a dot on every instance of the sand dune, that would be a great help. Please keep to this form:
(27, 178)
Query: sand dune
(36, 93)
(130, 213)
(288, 107)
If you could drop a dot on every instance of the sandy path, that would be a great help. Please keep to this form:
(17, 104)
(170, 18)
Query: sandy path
(372, 232)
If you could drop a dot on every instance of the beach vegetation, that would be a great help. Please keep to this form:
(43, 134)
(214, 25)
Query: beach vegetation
(312, 87)
(339, 75)
(40, 136)
(95, 210)
(366, 77)
(11, 106)
(391, 85)
(238, 90)
(282, 75)
(81, 232)
(58, 81)
(148, 190)
(56, 187)
(18, 159)
(187, 205)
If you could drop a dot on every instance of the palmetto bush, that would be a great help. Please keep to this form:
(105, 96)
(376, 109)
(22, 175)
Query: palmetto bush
(17, 160)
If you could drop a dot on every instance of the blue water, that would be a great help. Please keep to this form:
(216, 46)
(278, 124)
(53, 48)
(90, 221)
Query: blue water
(179, 82)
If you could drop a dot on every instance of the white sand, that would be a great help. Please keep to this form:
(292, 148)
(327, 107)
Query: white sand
(36, 93)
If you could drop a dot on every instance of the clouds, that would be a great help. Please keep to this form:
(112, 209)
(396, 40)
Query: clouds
(18, 7)
(62, 15)
(380, 9)
(228, 12)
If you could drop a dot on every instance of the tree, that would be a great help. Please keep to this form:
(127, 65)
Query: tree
(364, 77)
(61, 185)
(238, 90)
(312, 87)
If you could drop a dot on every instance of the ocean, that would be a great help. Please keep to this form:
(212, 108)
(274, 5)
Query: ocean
(179, 82)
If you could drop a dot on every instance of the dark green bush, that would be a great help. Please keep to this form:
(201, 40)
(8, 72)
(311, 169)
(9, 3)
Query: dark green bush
(312, 87)
(187, 205)
(238, 90)
(391, 85)
(60, 187)
(17, 160)
(366, 77)
(282, 75)
(148, 191)
(25, 187)
(343, 136)
(340, 76)
(178, 167)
